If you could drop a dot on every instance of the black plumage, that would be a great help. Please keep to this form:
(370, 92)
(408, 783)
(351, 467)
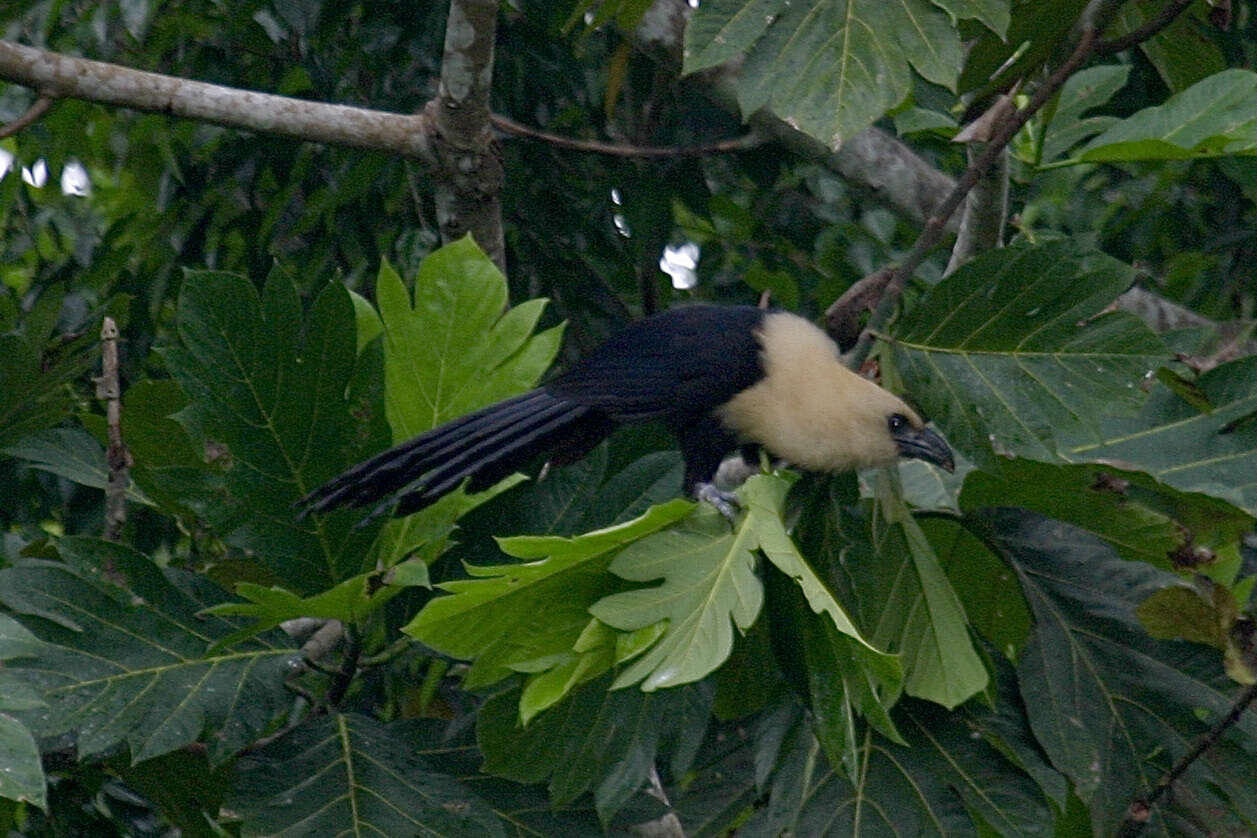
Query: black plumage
(707, 372)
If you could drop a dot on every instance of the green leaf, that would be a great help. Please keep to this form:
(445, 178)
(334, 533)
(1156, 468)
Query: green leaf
(1214, 452)
(1212, 117)
(183, 787)
(272, 391)
(132, 666)
(1033, 34)
(1005, 725)
(708, 578)
(33, 395)
(1181, 52)
(993, 14)
(923, 789)
(1089, 497)
(70, 453)
(986, 586)
(1083, 91)
(1112, 707)
(931, 632)
(599, 740)
(828, 67)
(346, 774)
(1012, 351)
(514, 613)
(350, 601)
(166, 465)
(21, 772)
(764, 497)
(457, 347)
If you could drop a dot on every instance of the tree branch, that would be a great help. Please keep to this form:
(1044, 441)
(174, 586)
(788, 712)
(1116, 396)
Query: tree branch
(936, 224)
(747, 141)
(61, 76)
(1135, 37)
(34, 112)
(469, 177)
(1140, 811)
(884, 166)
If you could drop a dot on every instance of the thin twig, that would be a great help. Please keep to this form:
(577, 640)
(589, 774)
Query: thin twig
(1137, 36)
(348, 668)
(117, 457)
(1140, 810)
(34, 112)
(937, 222)
(742, 143)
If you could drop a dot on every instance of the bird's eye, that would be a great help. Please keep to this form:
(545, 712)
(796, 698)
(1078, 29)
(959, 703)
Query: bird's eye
(896, 422)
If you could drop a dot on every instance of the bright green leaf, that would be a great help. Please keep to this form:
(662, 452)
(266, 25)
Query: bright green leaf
(512, 613)
(457, 346)
(709, 580)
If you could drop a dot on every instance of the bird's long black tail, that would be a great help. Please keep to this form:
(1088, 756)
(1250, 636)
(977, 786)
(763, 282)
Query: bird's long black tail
(485, 446)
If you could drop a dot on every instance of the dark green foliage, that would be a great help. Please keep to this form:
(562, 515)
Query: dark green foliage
(1021, 648)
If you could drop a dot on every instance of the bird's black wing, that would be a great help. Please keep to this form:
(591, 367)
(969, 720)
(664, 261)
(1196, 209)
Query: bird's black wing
(677, 365)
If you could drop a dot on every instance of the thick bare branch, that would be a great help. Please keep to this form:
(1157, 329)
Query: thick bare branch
(63, 76)
(469, 181)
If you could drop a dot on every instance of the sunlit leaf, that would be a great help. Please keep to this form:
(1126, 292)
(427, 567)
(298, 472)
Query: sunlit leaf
(512, 613)
(457, 346)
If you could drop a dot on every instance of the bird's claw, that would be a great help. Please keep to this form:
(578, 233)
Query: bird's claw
(726, 503)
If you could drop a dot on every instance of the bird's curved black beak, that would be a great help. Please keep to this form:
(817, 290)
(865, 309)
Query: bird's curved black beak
(925, 444)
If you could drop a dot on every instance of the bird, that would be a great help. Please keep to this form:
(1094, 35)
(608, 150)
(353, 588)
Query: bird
(723, 379)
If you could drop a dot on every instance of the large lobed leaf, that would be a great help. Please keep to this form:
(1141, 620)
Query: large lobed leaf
(832, 67)
(709, 586)
(347, 774)
(599, 740)
(272, 390)
(1012, 352)
(132, 666)
(516, 613)
(1112, 707)
(942, 783)
(458, 346)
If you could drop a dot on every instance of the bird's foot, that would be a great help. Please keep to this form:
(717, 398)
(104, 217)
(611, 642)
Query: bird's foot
(726, 503)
